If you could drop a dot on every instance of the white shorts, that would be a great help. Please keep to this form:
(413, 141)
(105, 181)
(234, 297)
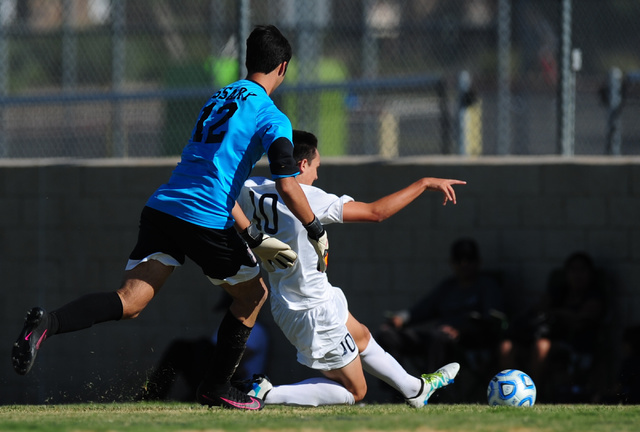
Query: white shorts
(244, 274)
(319, 334)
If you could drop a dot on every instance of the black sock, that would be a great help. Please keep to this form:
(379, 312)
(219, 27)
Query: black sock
(231, 344)
(86, 311)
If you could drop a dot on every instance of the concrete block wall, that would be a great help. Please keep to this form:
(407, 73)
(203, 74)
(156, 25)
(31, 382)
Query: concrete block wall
(67, 228)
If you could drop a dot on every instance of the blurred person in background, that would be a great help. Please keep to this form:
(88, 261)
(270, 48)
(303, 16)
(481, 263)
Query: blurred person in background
(187, 359)
(462, 317)
(555, 341)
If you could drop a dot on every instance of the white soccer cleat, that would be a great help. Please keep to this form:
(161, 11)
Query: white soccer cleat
(260, 386)
(432, 382)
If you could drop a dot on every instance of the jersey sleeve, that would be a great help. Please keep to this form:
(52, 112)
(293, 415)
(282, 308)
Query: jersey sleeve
(281, 160)
(326, 206)
(277, 139)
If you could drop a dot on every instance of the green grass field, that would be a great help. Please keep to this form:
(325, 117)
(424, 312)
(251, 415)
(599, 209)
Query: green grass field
(153, 417)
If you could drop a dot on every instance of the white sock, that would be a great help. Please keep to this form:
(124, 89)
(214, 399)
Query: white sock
(382, 365)
(310, 392)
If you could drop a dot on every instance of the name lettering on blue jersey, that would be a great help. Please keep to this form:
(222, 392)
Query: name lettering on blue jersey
(227, 93)
(228, 116)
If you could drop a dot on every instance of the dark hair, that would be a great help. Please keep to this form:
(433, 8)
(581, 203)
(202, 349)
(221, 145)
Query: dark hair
(580, 257)
(305, 145)
(558, 286)
(465, 248)
(266, 49)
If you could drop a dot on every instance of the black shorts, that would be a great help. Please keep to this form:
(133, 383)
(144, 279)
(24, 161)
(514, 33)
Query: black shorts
(219, 253)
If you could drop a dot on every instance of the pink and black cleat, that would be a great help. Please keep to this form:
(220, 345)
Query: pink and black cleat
(31, 337)
(228, 397)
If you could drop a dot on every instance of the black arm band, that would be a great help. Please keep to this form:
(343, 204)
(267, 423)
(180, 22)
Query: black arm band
(252, 236)
(315, 229)
(281, 161)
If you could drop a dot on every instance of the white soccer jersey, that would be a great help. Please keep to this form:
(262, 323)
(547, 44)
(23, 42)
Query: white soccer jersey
(309, 311)
(301, 287)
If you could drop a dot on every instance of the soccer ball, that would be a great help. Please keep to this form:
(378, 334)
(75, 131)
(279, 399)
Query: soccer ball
(511, 387)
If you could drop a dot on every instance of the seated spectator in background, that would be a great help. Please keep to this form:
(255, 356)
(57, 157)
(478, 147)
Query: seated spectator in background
(463, 313)
(563, 331)
(188, 357)
(628, 382)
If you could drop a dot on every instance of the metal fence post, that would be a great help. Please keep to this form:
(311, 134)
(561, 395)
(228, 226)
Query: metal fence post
(565, 97)
(614, 124)
(464, 87)
(118, 11)
(69, 71)
(504, 77)
(369, 68)
(445, 122)
(4, 77)
(369, 44)
(244, 20)
(69, 47)
(306, 23)
(575, 66)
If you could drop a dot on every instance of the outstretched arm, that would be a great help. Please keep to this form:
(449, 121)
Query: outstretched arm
(389, 205)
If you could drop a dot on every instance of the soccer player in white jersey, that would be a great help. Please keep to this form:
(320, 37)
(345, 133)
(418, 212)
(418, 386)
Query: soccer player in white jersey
(311, 312)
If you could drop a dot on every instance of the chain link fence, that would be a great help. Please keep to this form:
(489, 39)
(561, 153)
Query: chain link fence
(125, 78)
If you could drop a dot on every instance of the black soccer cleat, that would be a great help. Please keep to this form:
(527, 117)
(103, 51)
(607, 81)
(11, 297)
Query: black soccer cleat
(227, 397)
(31, 337)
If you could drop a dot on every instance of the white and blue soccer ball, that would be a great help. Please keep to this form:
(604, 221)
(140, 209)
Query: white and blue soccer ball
(511, 387)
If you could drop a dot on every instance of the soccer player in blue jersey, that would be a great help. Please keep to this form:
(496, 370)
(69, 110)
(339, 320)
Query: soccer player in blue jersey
(192, 215)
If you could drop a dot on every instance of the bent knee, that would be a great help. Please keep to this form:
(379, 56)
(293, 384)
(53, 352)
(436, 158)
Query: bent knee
(359, 393)
(131, 308)
(252, 299)
(254, 294)
(261, 295)
(247, 297)
(130, 312)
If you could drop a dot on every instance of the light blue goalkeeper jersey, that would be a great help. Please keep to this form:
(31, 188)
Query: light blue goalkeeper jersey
(235, 129)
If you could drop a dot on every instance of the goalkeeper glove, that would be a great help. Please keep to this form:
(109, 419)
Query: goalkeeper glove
(270, 250)
(320, 241)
